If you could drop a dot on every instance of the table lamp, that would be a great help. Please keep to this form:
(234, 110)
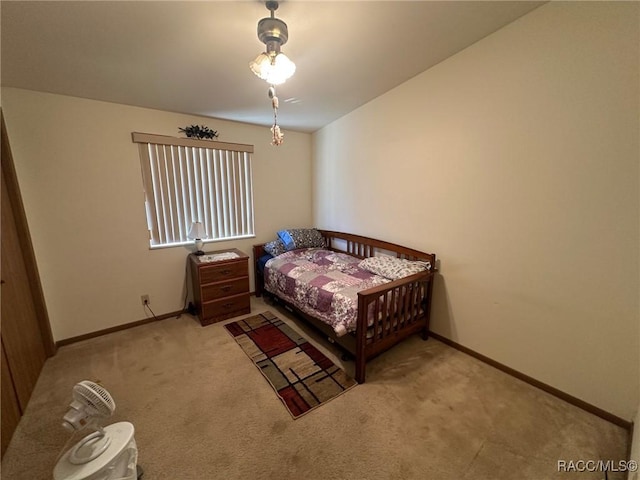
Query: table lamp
(197, 233)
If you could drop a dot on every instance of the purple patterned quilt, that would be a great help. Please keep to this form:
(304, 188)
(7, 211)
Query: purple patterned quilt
(322, 283)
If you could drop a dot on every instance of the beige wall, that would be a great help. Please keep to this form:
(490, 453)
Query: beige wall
(516, 161)
(79, 174)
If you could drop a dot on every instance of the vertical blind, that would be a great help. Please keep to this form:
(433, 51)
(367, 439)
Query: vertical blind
(188, 180)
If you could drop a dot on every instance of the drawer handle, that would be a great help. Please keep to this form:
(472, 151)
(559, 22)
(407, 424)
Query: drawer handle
(225, 272)
(228, 305)
(226, 288)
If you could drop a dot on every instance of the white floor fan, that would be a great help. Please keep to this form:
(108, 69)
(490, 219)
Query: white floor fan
(109, 453)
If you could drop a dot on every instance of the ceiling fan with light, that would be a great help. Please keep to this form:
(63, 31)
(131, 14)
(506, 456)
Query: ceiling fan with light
(272, 65)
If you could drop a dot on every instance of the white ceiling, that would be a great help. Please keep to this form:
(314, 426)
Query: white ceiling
(193, 57)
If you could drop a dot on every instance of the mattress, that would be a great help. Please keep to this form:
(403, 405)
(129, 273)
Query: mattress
(321, 283)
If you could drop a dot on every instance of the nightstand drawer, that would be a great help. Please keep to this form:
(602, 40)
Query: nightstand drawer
(225, 308)
(217, 273)
(214, 291)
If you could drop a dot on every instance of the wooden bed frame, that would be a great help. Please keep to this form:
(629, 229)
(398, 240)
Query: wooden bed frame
(402, 305)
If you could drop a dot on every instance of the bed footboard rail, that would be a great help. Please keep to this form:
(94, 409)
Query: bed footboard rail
(363, 247)
(389, 313)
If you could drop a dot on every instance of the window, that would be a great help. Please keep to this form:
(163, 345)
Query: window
(188, 180)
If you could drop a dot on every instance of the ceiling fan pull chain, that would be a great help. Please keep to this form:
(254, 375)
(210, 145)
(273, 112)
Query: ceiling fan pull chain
(277, 136)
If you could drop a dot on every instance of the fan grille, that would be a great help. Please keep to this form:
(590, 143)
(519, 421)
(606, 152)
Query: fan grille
(96, 396)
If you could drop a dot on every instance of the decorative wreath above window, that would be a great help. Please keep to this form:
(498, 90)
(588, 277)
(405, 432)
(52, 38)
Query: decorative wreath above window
(199, 131)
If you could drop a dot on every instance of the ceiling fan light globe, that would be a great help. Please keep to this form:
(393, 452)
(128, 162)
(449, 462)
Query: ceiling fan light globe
(276, 71)
(260, 64)
(284, 65)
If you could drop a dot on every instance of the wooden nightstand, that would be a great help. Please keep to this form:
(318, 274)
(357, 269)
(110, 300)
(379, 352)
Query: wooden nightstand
(220, 288)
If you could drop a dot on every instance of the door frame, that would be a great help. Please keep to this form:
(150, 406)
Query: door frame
(29, 257)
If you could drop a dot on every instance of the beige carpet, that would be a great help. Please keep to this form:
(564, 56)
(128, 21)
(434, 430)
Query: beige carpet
(202, 411)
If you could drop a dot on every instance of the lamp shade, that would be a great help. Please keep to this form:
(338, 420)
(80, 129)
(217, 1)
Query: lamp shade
(196, 231)
(274, 69)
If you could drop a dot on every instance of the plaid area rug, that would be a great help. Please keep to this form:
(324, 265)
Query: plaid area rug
(302, 376)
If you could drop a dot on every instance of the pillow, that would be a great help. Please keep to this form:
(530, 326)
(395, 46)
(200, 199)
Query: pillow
(393, 268)
(293, 238)
(262, 261)
(275, 248)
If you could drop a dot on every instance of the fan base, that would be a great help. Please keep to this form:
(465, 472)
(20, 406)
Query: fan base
(118, 461)
(90, 448)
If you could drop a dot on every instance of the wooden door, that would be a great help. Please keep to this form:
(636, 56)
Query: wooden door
(10, 409)
(24, 328)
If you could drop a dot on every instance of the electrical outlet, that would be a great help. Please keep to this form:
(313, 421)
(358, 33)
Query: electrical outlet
(145, 300)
